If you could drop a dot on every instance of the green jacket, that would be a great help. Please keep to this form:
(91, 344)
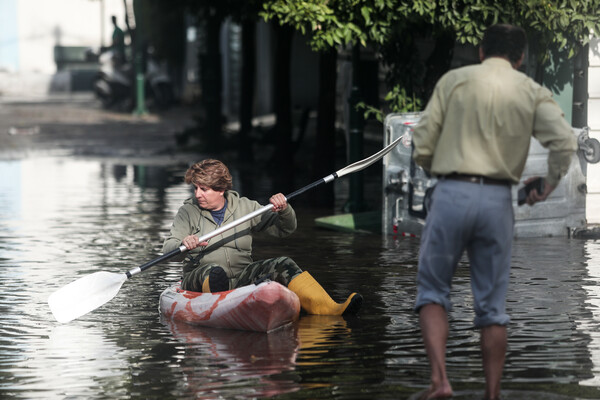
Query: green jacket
(232, 249)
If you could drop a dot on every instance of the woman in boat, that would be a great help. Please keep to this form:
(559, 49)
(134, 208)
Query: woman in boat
(225, 261)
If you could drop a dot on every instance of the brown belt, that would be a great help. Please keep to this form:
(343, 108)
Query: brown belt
(477, 179)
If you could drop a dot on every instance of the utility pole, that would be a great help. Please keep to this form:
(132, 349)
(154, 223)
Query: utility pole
(355, 137)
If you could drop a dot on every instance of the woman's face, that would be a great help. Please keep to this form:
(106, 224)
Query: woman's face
(209, 199)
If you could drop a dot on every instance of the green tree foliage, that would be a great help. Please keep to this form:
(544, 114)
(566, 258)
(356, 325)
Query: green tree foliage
(565, 24)
(332, 23)
(557, 30)
(396, 25)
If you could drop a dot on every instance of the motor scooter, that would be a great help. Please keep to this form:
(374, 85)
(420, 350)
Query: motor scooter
(114, 84)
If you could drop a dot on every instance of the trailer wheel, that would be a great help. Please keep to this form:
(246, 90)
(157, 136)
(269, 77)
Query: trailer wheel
(591, 150)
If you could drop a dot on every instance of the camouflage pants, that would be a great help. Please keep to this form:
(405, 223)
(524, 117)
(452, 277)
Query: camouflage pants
(280, 269)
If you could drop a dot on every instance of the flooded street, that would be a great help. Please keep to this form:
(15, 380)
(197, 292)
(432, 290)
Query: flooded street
(64, 218)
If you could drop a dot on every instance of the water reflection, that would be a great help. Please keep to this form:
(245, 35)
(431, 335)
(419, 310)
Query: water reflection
(545, 305)
(317, 334)
(266, 362)
(236, 359)
(61, 219)
(75, 358)
(591, 325)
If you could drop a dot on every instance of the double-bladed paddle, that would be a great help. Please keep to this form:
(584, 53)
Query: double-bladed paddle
(92, 291)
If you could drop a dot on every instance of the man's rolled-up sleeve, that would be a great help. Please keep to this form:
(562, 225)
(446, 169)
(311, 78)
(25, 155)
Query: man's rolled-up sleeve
(428, 130)
(554, 133)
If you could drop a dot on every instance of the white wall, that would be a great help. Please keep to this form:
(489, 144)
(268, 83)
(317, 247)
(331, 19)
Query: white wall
(42, 24)
(593, 171)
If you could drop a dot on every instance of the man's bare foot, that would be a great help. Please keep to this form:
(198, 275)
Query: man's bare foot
(442, 392)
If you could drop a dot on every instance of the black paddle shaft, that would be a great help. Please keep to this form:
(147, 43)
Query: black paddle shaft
(157, 260)
(328, 178)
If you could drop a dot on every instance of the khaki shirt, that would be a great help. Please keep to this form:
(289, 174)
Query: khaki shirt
(480, 120)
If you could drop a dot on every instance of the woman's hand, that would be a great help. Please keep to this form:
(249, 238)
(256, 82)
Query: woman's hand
(279, 202)
(192, 241)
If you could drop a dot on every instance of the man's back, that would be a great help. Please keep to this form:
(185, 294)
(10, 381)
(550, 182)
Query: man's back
(481, 118)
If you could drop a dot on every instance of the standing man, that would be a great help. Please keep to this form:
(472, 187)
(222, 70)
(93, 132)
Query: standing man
(118, 42)
(474, 137)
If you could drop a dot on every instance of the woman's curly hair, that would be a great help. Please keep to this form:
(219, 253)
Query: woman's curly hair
(211, 173)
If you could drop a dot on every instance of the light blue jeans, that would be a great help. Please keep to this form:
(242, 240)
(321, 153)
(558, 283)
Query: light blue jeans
(477, 218)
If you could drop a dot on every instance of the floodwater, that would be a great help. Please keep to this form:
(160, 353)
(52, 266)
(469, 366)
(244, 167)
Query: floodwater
(61, 219)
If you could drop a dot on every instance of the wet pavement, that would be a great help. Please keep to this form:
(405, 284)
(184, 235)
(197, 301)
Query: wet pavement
(76, 125)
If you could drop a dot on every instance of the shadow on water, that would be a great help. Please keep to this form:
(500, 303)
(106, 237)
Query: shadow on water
(63, 219)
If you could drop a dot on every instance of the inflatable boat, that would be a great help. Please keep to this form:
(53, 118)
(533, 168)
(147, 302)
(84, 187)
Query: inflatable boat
(262, 308)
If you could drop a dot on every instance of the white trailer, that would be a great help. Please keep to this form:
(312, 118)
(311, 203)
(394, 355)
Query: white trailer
(406, 187)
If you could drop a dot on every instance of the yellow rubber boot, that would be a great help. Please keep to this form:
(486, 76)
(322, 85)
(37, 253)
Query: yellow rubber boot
(315, 300)
(206, 286)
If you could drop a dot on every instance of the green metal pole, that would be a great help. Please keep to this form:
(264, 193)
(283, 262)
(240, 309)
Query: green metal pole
(140, 95)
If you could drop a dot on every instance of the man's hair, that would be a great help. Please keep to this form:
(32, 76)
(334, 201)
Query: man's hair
(211, 173)
(504, 40)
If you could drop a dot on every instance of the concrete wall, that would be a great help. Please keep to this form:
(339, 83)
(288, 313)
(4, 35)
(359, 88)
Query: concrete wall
(29, 30)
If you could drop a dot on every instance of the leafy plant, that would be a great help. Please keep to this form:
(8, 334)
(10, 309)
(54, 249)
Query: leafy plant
(398, 100)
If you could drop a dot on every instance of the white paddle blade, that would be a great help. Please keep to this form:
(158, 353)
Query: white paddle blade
(84, 295)
(364, 163)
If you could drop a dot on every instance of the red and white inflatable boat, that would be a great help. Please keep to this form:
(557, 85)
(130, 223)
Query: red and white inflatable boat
(262, 308)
